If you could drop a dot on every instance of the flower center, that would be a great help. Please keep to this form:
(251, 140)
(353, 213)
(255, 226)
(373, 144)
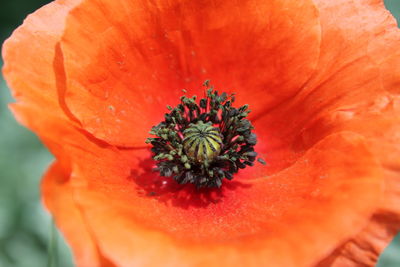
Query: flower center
(203, 143)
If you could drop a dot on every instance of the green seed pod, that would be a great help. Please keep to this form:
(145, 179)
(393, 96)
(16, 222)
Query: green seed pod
(202, 142)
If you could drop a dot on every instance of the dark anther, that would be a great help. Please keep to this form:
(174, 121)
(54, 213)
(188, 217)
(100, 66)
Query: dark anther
(206, 142)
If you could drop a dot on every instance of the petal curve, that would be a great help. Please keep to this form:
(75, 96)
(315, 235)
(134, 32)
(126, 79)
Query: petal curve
(325, 191)
(40, 32)
(57, 196)
(145, 53)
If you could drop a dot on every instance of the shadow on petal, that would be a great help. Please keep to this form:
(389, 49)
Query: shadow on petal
(166, 190)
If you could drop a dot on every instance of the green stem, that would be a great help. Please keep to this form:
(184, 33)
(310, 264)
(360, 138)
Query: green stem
(52, 249)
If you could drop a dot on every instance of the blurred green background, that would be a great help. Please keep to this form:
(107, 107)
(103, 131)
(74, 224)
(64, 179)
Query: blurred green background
(26, 231)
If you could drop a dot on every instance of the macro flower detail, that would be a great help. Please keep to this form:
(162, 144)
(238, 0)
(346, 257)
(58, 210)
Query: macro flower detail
(202, 142)
(189, 147)
(321, 77)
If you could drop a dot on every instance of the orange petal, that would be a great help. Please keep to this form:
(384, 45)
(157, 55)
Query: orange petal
(30, 66)
(375, 114)
(364, 248)
(56, 185)
(126, 60)
(138, 218)
(355, 89)
(355, 73)
(57, 196)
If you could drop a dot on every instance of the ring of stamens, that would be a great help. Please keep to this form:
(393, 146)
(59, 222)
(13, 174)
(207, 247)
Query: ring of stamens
(203, 143)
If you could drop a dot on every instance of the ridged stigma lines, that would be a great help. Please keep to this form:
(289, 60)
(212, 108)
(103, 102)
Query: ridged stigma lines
(202, 142)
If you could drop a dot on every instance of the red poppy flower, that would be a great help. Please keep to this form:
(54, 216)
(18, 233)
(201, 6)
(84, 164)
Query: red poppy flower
(321, 77)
